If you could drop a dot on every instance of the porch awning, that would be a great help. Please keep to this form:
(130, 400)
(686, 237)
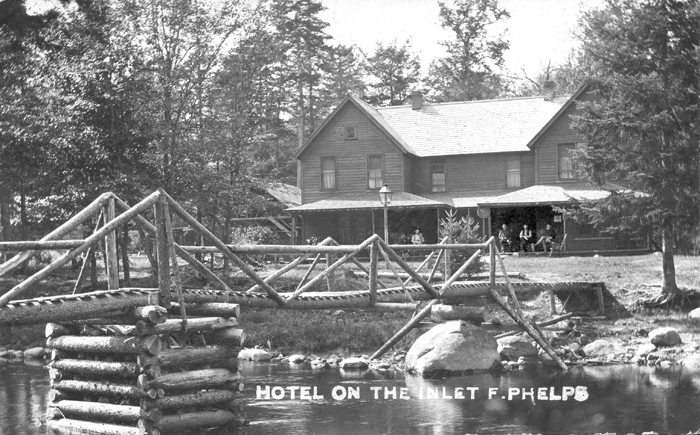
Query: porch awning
(547, 195)
(367, 201)
(465, 199)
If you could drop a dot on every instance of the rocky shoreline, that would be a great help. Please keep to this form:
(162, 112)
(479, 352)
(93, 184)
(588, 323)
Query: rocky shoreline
(663, 348)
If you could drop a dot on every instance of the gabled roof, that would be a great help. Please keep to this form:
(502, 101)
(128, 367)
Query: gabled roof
(287, 194)
(472, 127)
(561, 111)
(370, 112)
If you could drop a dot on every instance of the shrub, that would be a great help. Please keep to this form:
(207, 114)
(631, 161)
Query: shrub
(461, 230)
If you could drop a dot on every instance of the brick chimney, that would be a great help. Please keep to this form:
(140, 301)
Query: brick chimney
(416, 100)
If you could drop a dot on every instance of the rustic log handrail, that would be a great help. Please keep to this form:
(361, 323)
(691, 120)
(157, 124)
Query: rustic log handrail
(90, 241)
(194, 223)
(59, 232)
(40, 245)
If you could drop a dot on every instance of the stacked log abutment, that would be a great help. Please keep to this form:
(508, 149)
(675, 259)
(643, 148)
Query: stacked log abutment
(151, 374)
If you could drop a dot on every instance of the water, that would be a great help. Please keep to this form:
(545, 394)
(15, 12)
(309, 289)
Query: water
(621, 399)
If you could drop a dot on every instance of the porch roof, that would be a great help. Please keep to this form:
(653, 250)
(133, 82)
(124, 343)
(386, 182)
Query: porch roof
(548, 195)
(465, 199)
(367, 201)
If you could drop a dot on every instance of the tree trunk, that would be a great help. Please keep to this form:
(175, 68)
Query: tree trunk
(669, 287)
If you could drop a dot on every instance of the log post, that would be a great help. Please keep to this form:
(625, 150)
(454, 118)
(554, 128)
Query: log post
(125, 255)
(209, 309)
(492, 262)
(112, 266)
(196, 324)
(103, 368)
(194, 379)
(172, 255)
(373, 264)
(180, 401)
(70, 425)
(163, 253)
(189, 356)
(441, 313)
(87, 410)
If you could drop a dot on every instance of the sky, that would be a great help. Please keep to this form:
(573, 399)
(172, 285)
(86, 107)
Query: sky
(538, 30)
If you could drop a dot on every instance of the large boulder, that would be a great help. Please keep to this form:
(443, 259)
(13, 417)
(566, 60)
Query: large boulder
(255, 355)
(665, 336)
(602, 348)
(513, 347)
(452, 347)
(354, 363)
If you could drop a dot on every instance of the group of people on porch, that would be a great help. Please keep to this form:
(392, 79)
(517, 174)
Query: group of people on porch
(526, 239)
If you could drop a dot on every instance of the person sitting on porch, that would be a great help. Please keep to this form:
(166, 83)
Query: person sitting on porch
(525, 237)
(417, 238)
(504, 238)
(547, 239)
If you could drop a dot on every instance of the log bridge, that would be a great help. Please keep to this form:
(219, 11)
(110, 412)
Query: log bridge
(163, 360)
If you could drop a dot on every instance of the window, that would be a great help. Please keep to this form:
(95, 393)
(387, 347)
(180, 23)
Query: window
(437, 176)
(350, 133)
(328, 173)
(567, 168)
(375, 179)
(513, 172)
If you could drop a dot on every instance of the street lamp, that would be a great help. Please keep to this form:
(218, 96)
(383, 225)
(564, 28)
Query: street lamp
(385, 198)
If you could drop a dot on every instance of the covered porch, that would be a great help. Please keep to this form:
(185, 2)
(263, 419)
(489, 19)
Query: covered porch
(540, 205)
(354, 218)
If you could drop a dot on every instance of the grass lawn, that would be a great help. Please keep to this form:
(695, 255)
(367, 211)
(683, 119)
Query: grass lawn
(353, 332)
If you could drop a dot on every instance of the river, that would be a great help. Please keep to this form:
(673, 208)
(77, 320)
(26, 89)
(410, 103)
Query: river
(620, 399)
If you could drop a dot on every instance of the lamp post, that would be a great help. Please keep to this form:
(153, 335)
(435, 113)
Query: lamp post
(385, 198)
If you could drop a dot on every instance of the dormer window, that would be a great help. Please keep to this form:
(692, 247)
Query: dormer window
(350, 133)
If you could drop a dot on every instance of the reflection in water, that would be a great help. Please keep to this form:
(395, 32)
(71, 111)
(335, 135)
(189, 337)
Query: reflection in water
(621, 399)
(23, 398)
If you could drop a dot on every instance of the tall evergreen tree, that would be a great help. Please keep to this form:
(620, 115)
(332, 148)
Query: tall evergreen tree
(396, 70)
(303, 53)
(643, 126)
(470, 71)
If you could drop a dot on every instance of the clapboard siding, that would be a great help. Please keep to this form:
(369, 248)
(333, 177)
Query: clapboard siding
(560, 132)
(351, 157)
(473, 172)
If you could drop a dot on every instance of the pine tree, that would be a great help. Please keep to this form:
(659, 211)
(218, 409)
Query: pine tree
(474, 57)
(396, 71)
(643, 126)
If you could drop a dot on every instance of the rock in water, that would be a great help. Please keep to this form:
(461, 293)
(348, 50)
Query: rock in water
(452, 347)
(297, 359)
(255, 355)
(512, 348)
(664, 337)
(695, 314)
(602, 348)
(34, 353)
(354, 364)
